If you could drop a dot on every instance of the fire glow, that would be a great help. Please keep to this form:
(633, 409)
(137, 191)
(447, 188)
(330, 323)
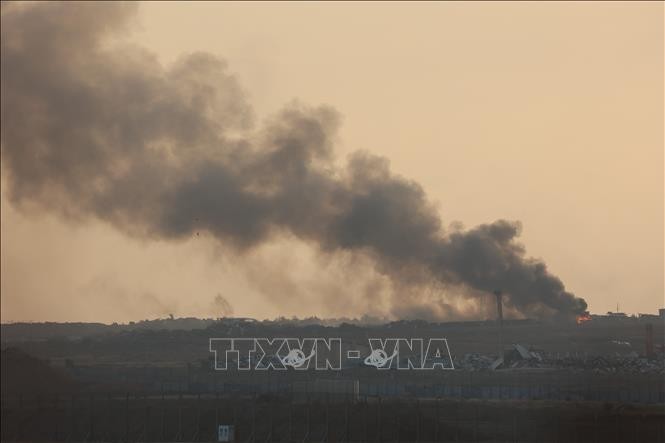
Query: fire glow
(583, 318)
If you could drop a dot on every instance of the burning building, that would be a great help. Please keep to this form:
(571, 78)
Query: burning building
(583, 317)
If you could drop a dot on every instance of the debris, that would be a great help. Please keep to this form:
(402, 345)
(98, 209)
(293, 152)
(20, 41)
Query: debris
(497, 363)
(618, 363)
(522, 351)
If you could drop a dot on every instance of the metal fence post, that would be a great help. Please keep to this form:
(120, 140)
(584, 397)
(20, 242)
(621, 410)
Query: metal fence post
(179, 436)
(291, 418)
(91, 432)
(418, 420)
(514, 426)
(309, 423)
(163, 424)
(366, 414)
(327, 436)
(127, 417)
(436, 419)
(197, 436)
(595, 427)
(253, 438)
(146, 422)
(347, 425)
(55, 415)
(475, 424)
(72, 427)
(378, 420)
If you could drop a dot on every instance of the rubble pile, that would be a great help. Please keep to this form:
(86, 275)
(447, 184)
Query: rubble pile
(612, 364)
(474, 362)
(522, 357)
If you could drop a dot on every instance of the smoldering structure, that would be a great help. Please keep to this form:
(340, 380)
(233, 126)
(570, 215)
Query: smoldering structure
(94, 130)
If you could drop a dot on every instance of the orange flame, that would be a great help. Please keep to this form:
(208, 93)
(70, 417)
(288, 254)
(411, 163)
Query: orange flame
(584, 317)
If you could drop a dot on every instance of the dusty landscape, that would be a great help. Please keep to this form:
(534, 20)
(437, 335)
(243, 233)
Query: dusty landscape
(152, 381)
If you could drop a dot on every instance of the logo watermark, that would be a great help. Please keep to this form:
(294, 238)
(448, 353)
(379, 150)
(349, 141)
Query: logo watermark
(324, 354)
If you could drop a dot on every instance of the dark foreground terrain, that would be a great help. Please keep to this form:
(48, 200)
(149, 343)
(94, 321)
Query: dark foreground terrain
(284, 418)
(592, 382)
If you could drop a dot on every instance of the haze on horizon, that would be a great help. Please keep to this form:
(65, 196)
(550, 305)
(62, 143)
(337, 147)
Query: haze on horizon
(550, 114)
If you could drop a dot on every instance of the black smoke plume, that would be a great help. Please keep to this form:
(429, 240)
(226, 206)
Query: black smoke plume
(91, 129)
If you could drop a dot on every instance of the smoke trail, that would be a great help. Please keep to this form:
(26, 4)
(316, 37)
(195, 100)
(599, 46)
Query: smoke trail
(90, 130)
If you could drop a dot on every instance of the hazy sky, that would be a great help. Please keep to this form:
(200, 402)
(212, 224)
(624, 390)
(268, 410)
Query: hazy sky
(547, 113)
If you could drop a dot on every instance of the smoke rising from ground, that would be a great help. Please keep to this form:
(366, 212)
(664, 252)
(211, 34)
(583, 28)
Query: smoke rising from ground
(222, 307)
(92, 130)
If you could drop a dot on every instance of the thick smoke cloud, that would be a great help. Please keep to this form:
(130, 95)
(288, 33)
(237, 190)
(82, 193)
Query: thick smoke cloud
(96, 130)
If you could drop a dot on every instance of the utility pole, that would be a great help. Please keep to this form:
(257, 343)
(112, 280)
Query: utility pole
(499, 312)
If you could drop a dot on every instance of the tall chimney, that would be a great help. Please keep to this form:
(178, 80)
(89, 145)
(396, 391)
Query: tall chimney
(499, 313)
(499, 307)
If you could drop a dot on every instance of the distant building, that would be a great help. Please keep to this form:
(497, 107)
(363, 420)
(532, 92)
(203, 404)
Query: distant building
(616, 314)
(661, 312)
(237, 320)
(648, 316)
